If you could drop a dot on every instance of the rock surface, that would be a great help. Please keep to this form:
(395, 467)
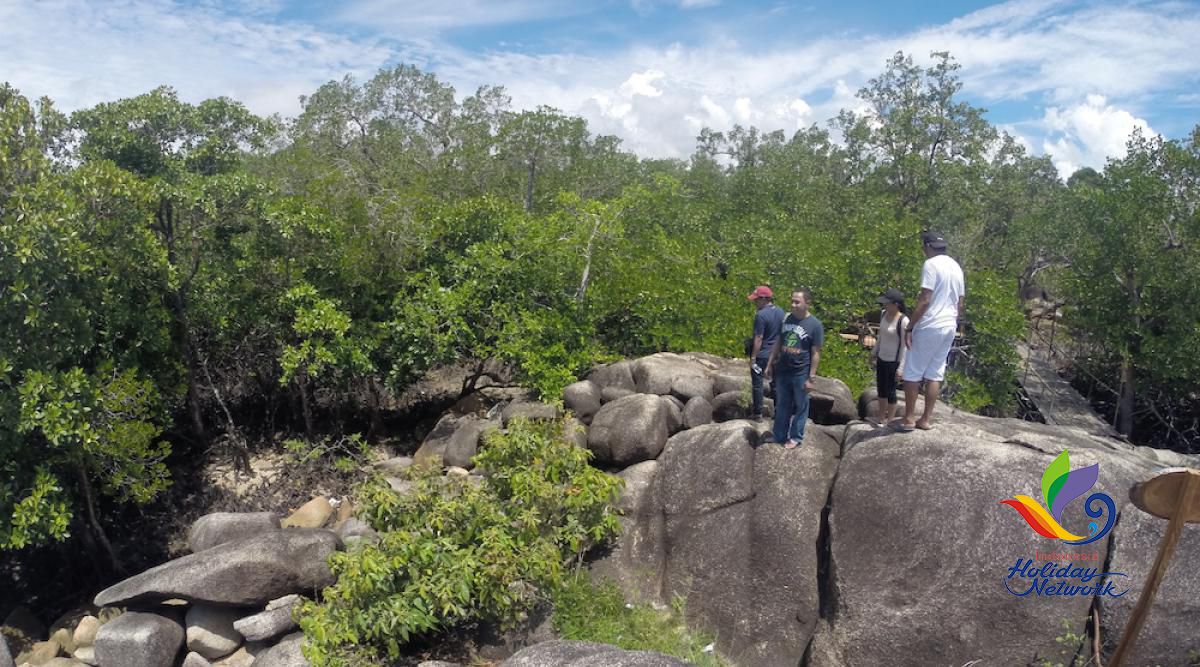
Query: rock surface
(220, 527)
(210, 630)
(942, 545)
(830, 402)
(312, 514)
(531, 410)
(583, 399)
(453, 441)
(561, 653)
(617, 375)
(137, 639)
(287, 653)
(629, 430)
(1172, 628)
(244, 573)
(269, 624)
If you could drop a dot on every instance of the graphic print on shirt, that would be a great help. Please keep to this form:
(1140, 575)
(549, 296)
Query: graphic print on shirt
(794, 336)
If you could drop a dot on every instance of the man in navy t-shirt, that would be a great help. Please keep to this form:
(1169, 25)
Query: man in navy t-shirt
(768, 322)
(793, 362)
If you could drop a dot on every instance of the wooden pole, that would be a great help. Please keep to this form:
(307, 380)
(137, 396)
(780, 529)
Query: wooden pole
(1188, 496)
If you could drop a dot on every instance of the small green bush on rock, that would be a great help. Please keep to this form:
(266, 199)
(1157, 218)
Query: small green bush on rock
(454, 550)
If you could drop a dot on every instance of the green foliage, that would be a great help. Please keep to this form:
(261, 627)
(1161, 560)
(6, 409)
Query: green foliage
(1070, 641)
(321, 342)
(987, 368)
(847, 361)
(598, 612)
(452, 550)
(345, 455)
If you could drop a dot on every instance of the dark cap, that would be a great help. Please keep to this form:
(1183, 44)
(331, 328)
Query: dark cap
(891, 296)
(934, 240)
(762, 291)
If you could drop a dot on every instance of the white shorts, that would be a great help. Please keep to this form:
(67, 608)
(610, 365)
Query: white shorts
(926, 358)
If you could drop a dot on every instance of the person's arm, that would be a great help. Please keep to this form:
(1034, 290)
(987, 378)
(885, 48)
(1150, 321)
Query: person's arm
(875, 348)
(771, 360)
(923, 300)
(903, 348)
(760, 330)
(814, 353)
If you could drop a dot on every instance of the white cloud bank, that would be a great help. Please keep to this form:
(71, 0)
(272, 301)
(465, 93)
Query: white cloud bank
(1097, 68)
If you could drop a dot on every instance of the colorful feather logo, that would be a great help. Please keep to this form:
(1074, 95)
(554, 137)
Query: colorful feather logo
(1060, 486)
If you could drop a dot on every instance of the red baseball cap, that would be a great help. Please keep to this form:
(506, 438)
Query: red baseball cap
(760, 292)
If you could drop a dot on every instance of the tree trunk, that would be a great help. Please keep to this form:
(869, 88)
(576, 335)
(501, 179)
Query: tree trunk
(165, 219)
(85, 488)
(1125, 403)
(376, 395)
(306, 408)
(529, 185)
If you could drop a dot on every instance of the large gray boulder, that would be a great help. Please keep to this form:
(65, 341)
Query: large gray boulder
(732, 380)
(564, 653)
(454, 441)
(617, 375)
(210, 631)
(687, 387)
(610, 394)
(661, 373)
(583, 399)
(697, 412)
(220, 527)
(137, 639)
(742, 527)
(830, 401)
(531, 410)
(629, 430)
(731, 405)
(930, 501)
(287, 653)
(276, 620)
(1172, 628)
(246, 573)
(635, 560)
(6, 659)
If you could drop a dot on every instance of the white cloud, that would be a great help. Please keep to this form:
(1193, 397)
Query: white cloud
(1086, 133)
(418, 17)
(642, 83)
(81, 53)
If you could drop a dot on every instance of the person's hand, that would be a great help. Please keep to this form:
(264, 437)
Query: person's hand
(808, 384)
(899, 375)
(767, 373)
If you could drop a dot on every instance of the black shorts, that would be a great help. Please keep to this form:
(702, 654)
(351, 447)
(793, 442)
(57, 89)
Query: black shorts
(885, 378)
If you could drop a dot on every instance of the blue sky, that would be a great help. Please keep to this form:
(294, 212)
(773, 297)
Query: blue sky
(1067, 78)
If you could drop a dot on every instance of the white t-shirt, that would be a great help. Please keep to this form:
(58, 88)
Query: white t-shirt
(942, 276)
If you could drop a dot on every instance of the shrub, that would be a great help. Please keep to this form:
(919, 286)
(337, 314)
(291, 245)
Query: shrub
(453, 551)
(599, 613)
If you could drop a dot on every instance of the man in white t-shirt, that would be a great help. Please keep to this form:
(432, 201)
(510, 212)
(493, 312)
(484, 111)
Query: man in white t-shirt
(931, 329)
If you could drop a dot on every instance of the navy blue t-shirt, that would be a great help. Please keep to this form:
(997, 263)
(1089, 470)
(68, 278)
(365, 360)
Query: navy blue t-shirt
(798, 339)
(768, 323)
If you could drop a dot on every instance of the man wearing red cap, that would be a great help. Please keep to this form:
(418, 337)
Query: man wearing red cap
(768, 322)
